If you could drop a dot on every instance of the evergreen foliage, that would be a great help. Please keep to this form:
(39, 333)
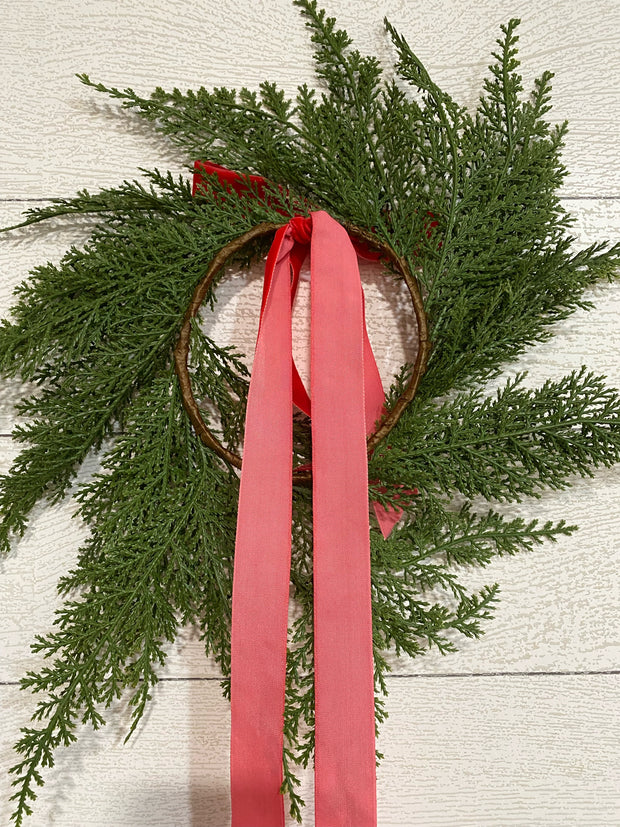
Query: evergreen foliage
(470, 200)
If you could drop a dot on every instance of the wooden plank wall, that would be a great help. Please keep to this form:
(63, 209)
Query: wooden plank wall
(520, 728)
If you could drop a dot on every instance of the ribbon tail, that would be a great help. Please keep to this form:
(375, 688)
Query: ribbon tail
(262, 564)
(386, 517)
(345, 762)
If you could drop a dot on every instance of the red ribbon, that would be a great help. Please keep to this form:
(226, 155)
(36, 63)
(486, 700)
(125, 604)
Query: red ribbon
(346, 400)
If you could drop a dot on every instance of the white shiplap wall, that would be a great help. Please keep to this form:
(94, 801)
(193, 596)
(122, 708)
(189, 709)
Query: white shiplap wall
(520, 728)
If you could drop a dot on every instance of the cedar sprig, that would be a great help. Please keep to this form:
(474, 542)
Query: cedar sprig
(470, 199)
(418, 560)
(74, 332)
(506, 447)
(436, 182)
(162, 517)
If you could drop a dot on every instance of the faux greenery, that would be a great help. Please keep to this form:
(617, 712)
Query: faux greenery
(96, 333)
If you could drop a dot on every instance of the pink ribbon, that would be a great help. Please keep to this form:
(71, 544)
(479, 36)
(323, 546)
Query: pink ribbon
(346, 398)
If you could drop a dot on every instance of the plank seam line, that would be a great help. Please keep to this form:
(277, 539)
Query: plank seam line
(516, 674)
(575, 673)
(52, 199)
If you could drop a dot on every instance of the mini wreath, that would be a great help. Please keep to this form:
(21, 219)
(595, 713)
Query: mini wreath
(505, 272)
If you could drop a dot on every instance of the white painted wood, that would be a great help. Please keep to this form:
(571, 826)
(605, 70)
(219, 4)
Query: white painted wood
(508, 749)
(477, 752)
(58, 135)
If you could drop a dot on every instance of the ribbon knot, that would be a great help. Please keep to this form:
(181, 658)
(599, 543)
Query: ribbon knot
(301, 228)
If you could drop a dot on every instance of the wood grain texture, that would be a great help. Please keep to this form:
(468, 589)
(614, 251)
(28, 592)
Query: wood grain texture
(473, 752)
(58, 135)
(494, 735)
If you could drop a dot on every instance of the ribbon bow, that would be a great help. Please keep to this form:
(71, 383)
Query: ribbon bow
(346, 400)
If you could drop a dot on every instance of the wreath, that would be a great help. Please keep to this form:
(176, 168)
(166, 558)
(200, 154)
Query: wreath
(461, 206)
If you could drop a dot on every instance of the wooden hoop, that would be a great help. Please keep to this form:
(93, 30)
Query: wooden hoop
(181, 351)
